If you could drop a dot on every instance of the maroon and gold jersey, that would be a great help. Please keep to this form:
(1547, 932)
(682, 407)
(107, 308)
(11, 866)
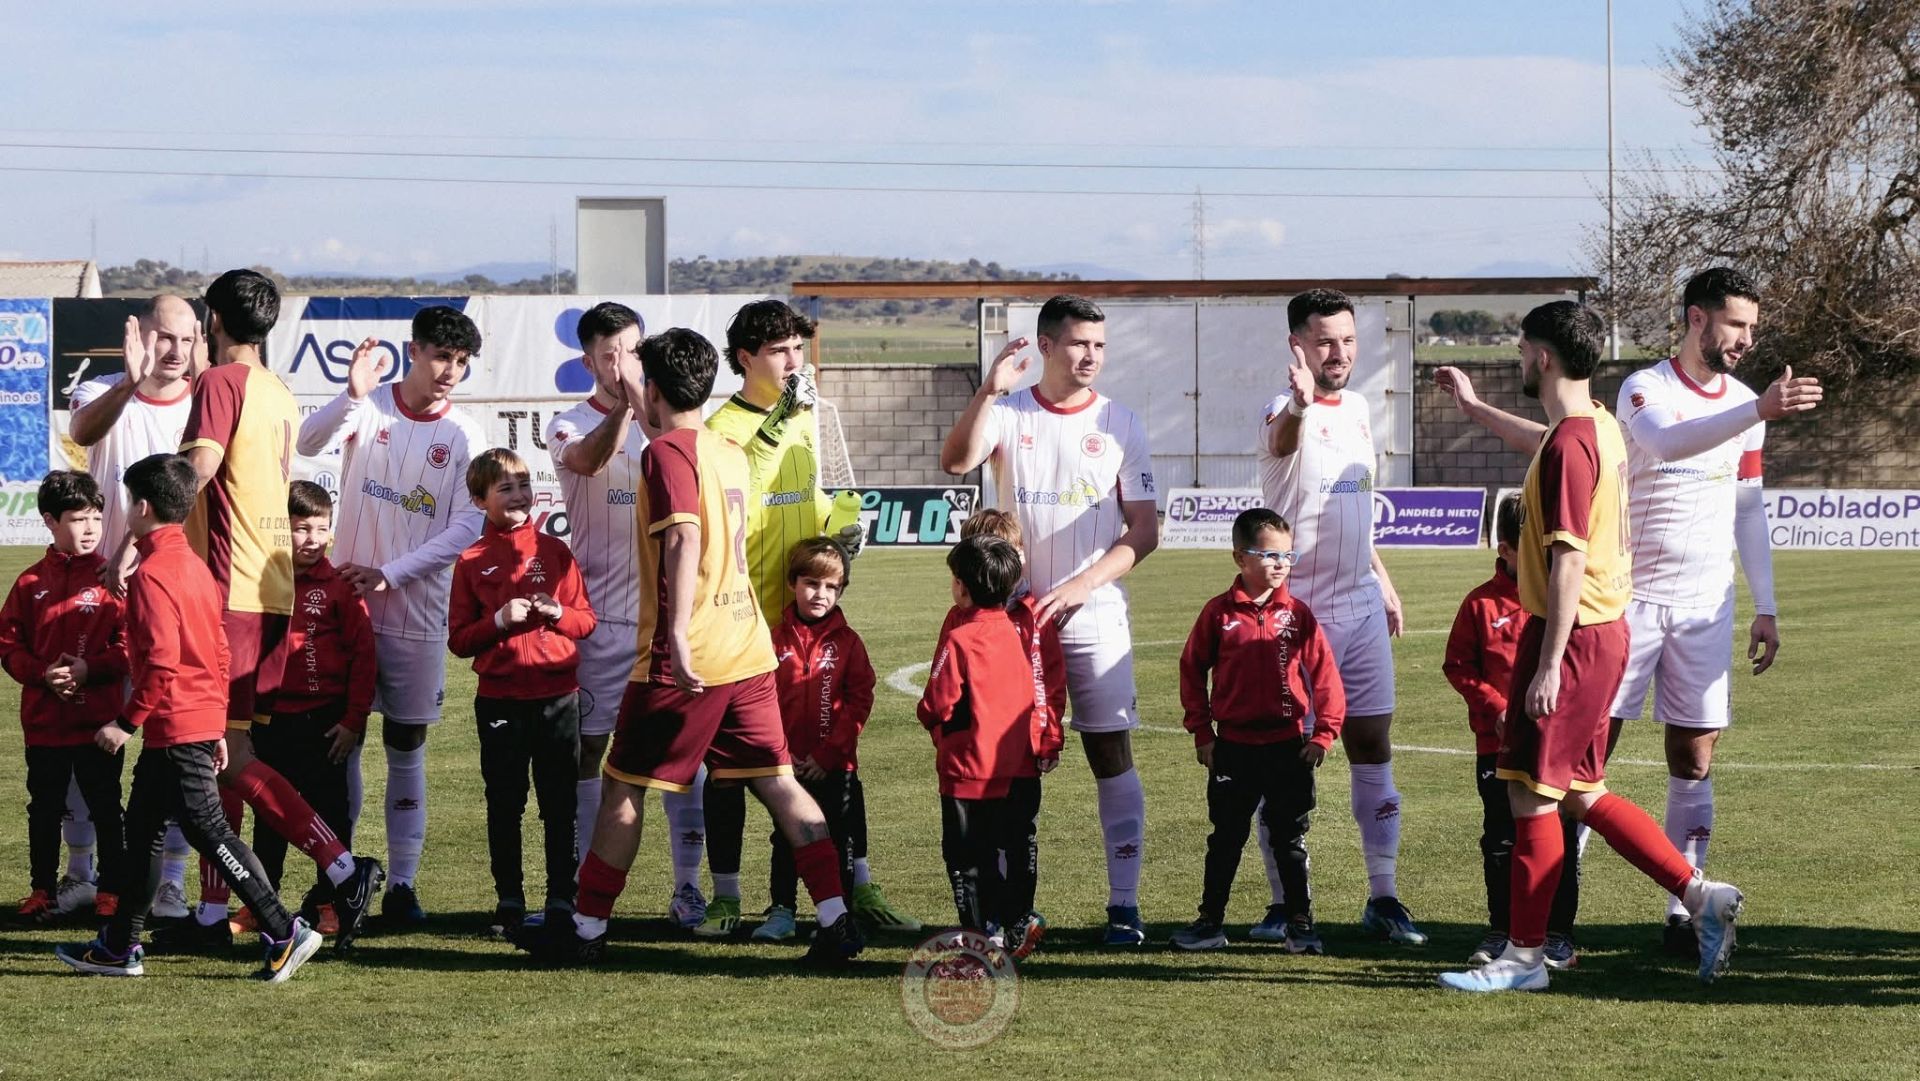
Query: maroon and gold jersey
(1576, 494)
(239, 524)
(693, 476)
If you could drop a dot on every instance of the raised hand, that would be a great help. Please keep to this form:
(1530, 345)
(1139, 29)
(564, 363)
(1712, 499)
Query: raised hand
(1457, 385)
(1789, 395)
(1300, 377)
(139, 351)
(363, 371)
(1003, 373)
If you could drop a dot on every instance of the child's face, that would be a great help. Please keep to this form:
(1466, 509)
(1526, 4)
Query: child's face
(508, 500)
(311, 536)
(1267, 562)
(814, 597)
(75, 532)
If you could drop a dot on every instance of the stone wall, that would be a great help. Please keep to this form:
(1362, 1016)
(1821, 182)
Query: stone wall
(895, 416)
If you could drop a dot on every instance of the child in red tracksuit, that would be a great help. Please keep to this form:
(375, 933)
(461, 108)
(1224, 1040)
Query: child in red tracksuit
(993, 522)
(517, 608)
(994, 735)
(826, 695)
(1269, 664)
(61, 636)
(1479, 664)
(319, 714)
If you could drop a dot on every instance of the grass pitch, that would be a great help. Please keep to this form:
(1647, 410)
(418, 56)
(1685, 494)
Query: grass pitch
(1818, 785)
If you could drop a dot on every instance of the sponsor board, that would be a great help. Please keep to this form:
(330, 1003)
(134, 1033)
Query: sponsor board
(916, 517)
(26, 355)
(1203, 517)
(1428, 517)
(1843, 519)
(20, 513)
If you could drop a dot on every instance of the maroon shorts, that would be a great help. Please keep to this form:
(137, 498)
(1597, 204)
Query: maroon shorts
(664, 733)
(255, 663)
(1565, 751)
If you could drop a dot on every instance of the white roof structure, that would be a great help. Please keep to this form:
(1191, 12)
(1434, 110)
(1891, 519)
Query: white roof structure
(57, 278)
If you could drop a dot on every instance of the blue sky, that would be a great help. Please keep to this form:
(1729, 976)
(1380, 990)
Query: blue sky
(1078, 131)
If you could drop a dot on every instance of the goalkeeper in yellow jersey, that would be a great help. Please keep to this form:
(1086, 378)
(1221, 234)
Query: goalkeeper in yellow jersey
(772, 419)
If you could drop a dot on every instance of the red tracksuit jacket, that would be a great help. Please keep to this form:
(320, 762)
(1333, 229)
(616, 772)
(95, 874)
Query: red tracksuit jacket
(1480, 652)
(176, 644)
(1263, 657)
(826, 688)
(1053, 662)
(59, 606)
(329, 648)
(986, 705)
(535, 660)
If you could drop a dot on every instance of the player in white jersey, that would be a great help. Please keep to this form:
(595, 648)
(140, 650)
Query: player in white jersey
(596, 449)
(1694, 436)
(121, 418)
(1073, 466)
(1317, 467)
(404, 517)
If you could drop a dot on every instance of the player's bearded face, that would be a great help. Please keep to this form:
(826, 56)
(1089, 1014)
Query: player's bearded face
(1727, 334)
(1331, 345)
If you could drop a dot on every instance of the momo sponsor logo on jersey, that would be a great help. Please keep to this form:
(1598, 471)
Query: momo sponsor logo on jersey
(1348, 485)
(786, 499)
(418, 501)
(1079, 493)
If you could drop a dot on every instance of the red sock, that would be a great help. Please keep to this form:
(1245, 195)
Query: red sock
(600, 884)
(1539, 852)
(1634, 834)
(286, 812)
(213, 889)
(819, 867)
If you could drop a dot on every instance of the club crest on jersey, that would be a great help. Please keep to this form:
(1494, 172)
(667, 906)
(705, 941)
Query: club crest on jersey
(385, 437)
(89, 600)
(1026, 441)
(1638, 399)
(535, 571)
(315, 602)
(439, 455)
(1094, 445)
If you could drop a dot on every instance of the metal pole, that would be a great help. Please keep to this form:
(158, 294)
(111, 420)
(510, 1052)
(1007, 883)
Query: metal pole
(1613, 285)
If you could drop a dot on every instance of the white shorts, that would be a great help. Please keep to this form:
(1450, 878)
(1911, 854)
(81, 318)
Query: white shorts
(1100, 691)
(413, 679)
(1364, 655)
(606, 664)
(1687, 656)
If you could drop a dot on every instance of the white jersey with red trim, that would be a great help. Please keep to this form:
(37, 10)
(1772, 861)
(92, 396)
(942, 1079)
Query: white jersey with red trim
(146, 426)
(601, 515)
(1324, 489)
(403, 504)
(1063, 474)
(1680, 513)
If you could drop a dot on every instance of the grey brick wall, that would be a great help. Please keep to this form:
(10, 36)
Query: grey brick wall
(895, 416)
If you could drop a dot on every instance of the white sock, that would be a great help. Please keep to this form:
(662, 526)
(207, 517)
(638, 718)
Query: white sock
(1275, 887)
(1530, 956)
(862, 874)
(207, 915)
(830, 911)
(586, 809)
(340, 869)
(589, 926)
(1123, 826)
(1581, 835)
(1689, 825)
(77, 831)
(726, 885)
(1376, 810)
(356, 787)
(686, 814)
(406, 813)
(174, 853)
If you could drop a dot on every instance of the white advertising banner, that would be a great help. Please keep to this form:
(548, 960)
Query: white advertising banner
(1203, 517)
(1844, 519)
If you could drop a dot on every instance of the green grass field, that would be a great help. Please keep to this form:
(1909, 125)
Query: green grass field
(918, 341)
(1819, 784)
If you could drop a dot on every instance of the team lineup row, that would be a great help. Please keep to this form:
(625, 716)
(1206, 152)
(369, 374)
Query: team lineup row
(724, 503)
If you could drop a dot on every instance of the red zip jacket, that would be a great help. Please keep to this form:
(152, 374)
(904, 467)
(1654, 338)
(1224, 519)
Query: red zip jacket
(534, 660)
(1258, 655)
(1480, 651)
(329, 648)
(59, 606)
(1053, 662)
(986, 705)
(176, 644)
(826, 688)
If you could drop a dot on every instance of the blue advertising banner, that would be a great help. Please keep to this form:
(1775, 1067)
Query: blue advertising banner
(26, 350)
(1428, 517)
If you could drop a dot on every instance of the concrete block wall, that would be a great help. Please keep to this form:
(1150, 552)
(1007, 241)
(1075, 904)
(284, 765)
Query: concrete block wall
(895, 416)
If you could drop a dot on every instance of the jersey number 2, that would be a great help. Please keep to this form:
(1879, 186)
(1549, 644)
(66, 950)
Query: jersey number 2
(737, 510)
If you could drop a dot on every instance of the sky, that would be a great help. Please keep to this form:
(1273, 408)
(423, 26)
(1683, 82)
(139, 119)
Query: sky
(420, 136)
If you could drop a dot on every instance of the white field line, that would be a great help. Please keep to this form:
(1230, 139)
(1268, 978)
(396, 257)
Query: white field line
(903, 680)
